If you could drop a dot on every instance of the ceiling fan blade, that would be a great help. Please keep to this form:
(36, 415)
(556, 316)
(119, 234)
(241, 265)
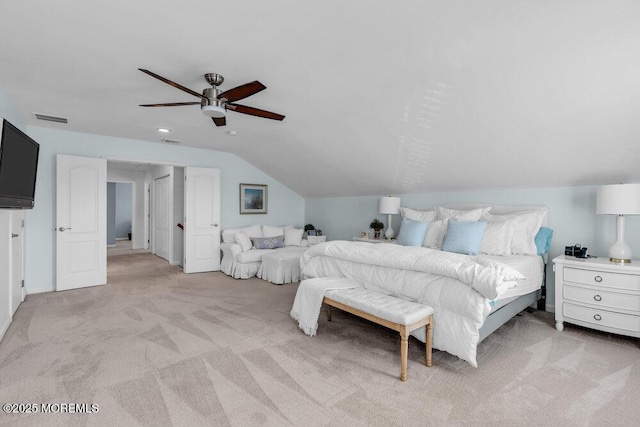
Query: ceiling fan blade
(174, 84)
(241, 92)
(219, 121)
(170, 104)
(253, 111)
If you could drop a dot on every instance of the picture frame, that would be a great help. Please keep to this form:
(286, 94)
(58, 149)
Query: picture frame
(254, 199)
(364, 235)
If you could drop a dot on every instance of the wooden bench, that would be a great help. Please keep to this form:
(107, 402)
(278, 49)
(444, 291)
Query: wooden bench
(394, 313)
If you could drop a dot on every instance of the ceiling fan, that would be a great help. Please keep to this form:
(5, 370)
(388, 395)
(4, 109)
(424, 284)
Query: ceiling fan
(215, 103)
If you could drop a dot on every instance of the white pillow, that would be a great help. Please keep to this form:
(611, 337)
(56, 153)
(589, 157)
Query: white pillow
(414, 215)
(497, 238)
(293, 236)
(525, 227)
(271, 231)
(243, 240)
(435, 234)
(461, 215)
(251, 230)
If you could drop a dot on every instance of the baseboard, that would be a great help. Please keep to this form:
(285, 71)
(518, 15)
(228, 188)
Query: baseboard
(550, 308)
(4, 327)
(112, 246)
(39, 290)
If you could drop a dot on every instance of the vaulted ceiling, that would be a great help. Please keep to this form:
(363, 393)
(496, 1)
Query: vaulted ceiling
(380, 97)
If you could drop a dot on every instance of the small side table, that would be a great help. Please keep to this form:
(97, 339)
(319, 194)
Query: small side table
(360, 239)
(314, 240)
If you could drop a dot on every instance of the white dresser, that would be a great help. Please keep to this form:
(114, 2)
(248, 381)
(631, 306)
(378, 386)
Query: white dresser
(598, 294)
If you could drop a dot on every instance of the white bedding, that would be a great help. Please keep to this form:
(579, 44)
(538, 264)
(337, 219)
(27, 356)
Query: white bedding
(531, 267)
(458, 287)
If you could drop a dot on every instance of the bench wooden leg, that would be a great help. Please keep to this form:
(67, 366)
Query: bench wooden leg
(429, 340)
(404, 350)
(328, 312)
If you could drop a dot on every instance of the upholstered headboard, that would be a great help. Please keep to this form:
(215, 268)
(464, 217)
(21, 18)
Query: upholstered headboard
(495, 209)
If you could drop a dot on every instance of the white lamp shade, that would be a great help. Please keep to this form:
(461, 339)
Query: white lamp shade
(389, 205)
(620, 199)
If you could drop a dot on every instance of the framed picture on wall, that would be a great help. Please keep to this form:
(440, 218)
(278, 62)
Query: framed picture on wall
(253, 199)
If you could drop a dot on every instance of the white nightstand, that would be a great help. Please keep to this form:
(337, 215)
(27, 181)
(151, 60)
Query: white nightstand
(314, 240)
(598, 294)
(360, 239)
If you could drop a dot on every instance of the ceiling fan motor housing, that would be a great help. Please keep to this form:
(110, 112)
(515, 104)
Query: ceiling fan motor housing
(210, 105)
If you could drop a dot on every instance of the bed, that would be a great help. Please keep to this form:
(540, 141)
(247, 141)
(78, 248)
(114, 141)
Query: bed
(466, 311)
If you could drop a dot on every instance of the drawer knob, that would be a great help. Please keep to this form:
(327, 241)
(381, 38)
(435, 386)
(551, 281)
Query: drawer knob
(598, 279)
(597, 297)
(597, 317)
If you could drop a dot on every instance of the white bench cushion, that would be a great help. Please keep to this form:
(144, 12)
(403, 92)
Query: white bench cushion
(384, 306)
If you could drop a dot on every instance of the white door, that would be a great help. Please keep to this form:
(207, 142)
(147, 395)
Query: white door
(81, 222)
(17, 259)
(162, 216)
(201, 220)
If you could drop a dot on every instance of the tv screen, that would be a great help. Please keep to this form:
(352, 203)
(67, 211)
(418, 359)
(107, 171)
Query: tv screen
(18, 167)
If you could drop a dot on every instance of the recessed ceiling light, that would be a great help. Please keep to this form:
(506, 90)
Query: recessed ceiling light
(164, 130)
(231, 132)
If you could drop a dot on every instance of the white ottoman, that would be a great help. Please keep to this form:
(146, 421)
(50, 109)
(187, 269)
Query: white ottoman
(281, 267)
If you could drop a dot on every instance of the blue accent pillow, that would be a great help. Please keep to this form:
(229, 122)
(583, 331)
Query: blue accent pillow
(464, 237)
(543, 240)
(268, 242)
(411, 232)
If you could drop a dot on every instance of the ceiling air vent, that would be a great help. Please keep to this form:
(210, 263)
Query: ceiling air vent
(170, 141)
(50, 118)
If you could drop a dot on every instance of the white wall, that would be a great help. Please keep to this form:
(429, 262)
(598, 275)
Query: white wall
(571, 216)
(285, 206)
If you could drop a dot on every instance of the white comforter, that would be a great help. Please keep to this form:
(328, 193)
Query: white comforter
(458, 287)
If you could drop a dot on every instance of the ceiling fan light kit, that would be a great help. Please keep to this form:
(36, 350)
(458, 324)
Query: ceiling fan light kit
(213, 111)
(214, 103)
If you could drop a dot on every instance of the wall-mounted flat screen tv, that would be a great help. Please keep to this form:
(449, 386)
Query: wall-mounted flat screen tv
(18, 167)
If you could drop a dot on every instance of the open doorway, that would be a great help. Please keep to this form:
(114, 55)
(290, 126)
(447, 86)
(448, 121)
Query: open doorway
(156, 208)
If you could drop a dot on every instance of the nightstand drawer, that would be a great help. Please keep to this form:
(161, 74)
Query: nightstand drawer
(602, 298)
(600, 278)
(602, 318)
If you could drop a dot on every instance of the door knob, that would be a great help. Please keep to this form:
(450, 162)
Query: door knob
(63, 229)
(214, 225)
(14, 235)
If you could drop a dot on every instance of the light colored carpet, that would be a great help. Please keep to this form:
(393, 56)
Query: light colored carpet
(158, 347)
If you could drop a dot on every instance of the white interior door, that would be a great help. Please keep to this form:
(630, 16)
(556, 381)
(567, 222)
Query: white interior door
(17, 259)
(162, 217)
(81, 217)
(202, 220)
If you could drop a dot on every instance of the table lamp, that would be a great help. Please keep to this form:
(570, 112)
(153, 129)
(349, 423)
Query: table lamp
(390, 206)
(620, 200)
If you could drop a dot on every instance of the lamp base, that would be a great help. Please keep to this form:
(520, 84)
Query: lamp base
(389, 233)
(619, 261)
(620, 251)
